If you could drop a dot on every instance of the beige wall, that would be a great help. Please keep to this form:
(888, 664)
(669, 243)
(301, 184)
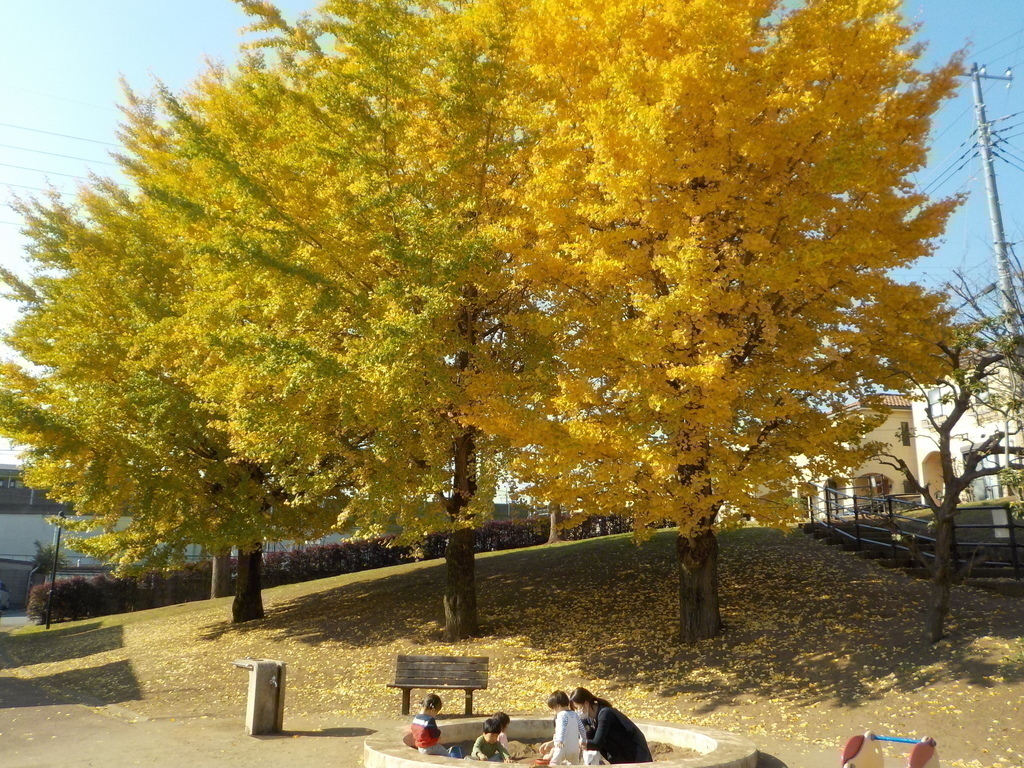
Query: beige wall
(890, 432)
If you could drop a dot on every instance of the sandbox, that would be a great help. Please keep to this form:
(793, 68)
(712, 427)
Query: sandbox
(389, 747)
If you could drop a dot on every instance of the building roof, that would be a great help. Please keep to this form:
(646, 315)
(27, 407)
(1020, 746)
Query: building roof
(895, 401)
(887, 400)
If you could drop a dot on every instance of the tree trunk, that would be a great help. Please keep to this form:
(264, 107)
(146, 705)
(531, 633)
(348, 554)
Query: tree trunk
(699, 618)
(460, 621)
(554, 518)
(942, 578)
(248, 603)
(220, 574)
(460, 586)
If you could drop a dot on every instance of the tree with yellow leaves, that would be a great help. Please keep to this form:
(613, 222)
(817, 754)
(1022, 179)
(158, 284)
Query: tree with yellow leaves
(361, 188)
(642, 250)
(719, 192)
(105, 409)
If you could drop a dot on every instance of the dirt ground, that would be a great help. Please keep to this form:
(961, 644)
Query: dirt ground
(818, 645)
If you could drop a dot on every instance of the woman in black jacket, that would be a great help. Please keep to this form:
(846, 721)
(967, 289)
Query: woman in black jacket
(615, 736)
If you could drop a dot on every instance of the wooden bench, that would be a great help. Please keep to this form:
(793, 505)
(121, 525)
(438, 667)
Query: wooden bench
(466, 673)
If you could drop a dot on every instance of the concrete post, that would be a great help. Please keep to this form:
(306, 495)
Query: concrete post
(264, 712)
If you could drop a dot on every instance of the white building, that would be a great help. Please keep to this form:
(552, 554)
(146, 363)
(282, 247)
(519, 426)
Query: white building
(909, 435)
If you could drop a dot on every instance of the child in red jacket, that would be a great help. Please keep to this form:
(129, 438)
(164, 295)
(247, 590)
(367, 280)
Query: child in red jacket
(425, 733)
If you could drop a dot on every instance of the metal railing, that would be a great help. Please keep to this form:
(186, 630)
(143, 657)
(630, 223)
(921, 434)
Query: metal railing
(883, 523)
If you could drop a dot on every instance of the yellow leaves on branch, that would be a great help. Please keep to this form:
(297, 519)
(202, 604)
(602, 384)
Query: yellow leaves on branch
(633, 251)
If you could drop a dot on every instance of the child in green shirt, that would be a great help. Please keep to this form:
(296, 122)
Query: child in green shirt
(487, 747)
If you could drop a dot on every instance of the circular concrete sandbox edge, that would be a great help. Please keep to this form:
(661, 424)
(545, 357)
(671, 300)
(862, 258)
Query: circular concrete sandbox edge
(719, 749)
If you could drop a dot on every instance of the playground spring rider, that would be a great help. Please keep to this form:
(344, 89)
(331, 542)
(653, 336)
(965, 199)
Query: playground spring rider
(865, 752)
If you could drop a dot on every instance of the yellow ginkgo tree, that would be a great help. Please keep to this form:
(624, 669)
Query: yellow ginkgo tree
(102, 403)
(351, 243)
(719, 191)
(638, 254)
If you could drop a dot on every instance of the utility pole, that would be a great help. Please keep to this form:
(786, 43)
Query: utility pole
(1008, 299)
(56, 560)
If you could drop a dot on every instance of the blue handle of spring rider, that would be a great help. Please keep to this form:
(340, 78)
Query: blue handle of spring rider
(895, 738)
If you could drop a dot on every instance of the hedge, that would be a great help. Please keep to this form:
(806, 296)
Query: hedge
(81, 598)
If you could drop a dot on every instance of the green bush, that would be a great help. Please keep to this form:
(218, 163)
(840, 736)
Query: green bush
(81, 598)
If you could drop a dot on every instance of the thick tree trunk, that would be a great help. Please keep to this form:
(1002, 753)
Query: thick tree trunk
(460, 586)
(460, 620)
(248, 603)
(554, 518)
(699, 617)
(942, 577)
(220, 574)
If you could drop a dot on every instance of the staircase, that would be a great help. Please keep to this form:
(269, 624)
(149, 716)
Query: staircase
(881, 528)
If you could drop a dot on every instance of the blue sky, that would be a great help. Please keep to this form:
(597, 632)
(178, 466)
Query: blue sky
(61, 62)
(993, 31)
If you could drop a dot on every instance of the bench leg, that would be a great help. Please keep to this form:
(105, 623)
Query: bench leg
(406, 696)
(469, 701)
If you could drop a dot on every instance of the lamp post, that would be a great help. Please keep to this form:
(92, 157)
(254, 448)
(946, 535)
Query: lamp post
(53, 572)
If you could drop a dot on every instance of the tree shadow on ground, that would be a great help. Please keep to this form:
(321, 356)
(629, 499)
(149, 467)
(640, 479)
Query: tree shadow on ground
(335, 733)
(56, 645)
(94, 686)
(403, 605)
(805, 623)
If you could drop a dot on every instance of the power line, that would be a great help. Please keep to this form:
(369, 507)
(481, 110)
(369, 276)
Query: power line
(60, 98)
(943, 166)
(54, 154)
(1007, 160)
(966, 184)
(1006, 117)
(955, 121)
(1011, 136)
(62, 135)
(997, 42)
(1008, 127)
(947, 176)
(40, 170)
(22, 186)
(1001, 148)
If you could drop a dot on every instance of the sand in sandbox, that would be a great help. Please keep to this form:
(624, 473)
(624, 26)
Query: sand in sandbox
(527, 752)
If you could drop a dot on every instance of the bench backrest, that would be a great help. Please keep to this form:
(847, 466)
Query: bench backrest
(427, 671)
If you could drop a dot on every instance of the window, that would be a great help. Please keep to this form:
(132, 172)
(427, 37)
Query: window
(990, 486)
(936, 407)
(905, 432)
(875, 484)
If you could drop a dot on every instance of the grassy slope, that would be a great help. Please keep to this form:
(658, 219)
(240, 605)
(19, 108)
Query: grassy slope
(818, 645)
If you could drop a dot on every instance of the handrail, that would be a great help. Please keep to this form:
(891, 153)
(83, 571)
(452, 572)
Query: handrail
(861, 511)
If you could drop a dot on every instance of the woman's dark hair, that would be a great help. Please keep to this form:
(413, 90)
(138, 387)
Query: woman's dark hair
(431, 701)
(558, 699)
(583, 696)
(491, 725)
(502, 718)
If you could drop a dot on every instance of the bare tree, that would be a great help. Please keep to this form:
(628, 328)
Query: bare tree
(973, 370)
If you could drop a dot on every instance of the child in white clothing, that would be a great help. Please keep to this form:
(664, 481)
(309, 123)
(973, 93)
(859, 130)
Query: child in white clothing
(564, 747)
